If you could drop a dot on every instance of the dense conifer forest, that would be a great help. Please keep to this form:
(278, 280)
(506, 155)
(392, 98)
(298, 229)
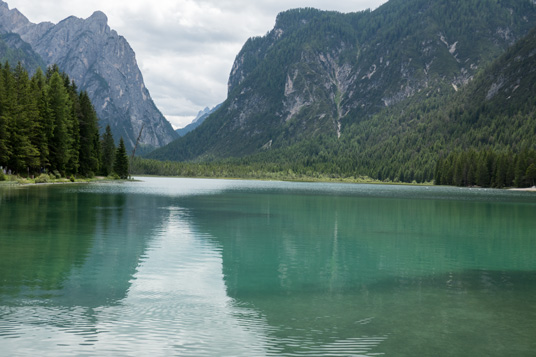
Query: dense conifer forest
(48, 127)
(487, 169)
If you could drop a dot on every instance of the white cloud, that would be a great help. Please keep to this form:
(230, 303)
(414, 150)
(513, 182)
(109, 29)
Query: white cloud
(185, 48)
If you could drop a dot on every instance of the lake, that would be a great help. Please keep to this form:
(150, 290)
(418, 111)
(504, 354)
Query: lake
(195, 267)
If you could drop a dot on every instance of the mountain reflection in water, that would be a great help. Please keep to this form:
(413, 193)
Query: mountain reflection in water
(215, 267)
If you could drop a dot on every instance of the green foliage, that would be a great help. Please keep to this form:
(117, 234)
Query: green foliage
(236, 169)
(45, 125)
(121, 161)
(530, 175)
(21, 111)
(2, 176)
(59, 106)
(43, 178)
(107, 151)
(22, 180)
(487, 169)
(89, 136)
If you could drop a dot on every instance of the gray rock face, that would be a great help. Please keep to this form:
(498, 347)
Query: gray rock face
(343, 80)
(102, 63)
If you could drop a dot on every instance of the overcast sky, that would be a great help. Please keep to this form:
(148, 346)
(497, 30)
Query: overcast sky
(184, 48)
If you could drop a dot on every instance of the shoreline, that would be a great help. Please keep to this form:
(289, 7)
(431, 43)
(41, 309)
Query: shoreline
(527, 189)
(62, 181)
(298, 179)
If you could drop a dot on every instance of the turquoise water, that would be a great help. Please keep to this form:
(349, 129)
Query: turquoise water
(250, 268)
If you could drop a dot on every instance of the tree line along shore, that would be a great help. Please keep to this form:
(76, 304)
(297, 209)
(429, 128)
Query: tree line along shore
(49, 129)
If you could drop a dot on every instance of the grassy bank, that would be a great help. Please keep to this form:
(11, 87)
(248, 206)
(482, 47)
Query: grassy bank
(44, 179)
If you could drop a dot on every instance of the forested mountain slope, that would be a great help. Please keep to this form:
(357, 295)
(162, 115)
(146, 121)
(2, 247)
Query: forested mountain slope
(14, 50)
(496, 112)
(315, 84)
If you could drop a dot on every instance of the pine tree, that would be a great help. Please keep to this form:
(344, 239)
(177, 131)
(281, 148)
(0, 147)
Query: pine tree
(42, 128)
(24, 155)
(4, 149)
(438, 173)
(482, 173)
(121, 161)
(58, 103)
(88, 126)
(4, 152)
(40, 120)
(107, 151)
(531, 174)
(458, 178)
(499, 180)
(73, 126)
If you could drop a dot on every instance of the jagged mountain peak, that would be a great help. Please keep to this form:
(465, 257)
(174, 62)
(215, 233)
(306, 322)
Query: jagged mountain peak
(199, 119)
(97, 23)
(102, 63)
(16, 19)
(99, 16)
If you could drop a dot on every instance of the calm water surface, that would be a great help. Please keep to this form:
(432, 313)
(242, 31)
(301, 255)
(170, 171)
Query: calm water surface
(241, 268)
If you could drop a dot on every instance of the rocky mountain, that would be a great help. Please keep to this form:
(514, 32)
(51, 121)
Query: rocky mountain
(199, 119)
(493, 115)
(13, 50)
(102, 63)
(319, 73)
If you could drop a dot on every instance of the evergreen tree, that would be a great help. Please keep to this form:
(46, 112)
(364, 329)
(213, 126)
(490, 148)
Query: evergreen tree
(499, 180)
(73, 126)
(121, 161)
(58, 103)
(4, 153)
(482, 173)
(4, 148)
(531, 174)
(24, 155)
(42, 128)
(107, 151)
(89, 148)
(458, 178)
(40, 121)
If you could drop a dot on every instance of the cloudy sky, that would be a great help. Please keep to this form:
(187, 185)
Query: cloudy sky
(184, 48)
